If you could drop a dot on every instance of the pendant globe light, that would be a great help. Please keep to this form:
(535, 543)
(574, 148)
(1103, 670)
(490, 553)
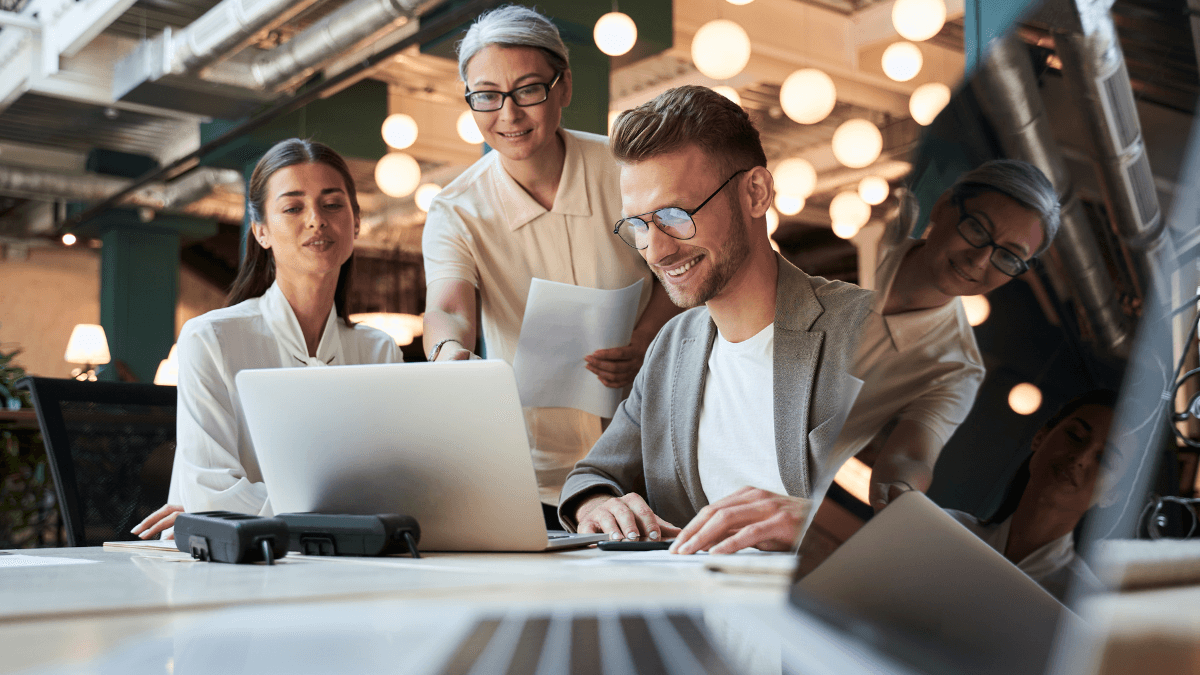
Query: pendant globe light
(927, 101)
(397, 174)
(615, 33)
(788, 205)
(795, 176)
(848, 213)
(918, 20)
(399, 131)
(808, 96)
(729, 93)
(425, 194)
(467, 129)
(721, 49)
(857, 143)
(873, 190)
(902, 61)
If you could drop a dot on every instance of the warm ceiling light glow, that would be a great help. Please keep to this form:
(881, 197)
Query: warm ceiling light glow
(845, 230)
(425, 194)
(977, 307)
(402, 327)
(873, 190)
(467, 129)
(918, 20)
(789, 205)
(729, 93)
(612, 119)
(927, 101)
(795, 176)
(399, 131)
(847, 208)
(1025, 398)
(615, 33)
(68, 239)
(397, 174)
(902, 61)
(808, 96)
(168, 369)
(87, 345)
(857, 143)
(772, 221)
(721, 49)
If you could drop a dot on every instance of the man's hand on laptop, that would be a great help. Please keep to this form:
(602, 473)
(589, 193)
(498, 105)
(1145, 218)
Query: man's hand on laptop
(627, 517)
(748, 517)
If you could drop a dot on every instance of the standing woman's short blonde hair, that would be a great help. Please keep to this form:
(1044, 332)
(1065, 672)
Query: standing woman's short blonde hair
(513, 26)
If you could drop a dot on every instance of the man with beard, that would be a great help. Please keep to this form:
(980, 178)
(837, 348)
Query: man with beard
(740, 398)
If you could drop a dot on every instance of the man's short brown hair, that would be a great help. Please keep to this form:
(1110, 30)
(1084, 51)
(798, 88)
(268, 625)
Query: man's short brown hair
(690, 115)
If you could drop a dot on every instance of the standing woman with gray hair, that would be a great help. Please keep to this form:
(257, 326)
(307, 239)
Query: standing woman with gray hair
(542, 205)
(917, 356)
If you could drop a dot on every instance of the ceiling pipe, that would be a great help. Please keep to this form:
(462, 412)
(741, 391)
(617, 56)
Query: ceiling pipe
(1008, 94)
(344, 30)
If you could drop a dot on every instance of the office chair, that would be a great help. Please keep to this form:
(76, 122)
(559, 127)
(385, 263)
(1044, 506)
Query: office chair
(111, 446)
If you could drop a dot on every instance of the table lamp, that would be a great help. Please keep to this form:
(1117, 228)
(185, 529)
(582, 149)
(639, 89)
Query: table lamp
(89, 347)
(168, 370)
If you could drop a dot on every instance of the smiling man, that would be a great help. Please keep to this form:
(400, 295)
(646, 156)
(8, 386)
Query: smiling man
(741, 397)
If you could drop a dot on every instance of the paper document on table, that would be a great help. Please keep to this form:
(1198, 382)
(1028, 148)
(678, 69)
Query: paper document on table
(18, 560)
(563, 324)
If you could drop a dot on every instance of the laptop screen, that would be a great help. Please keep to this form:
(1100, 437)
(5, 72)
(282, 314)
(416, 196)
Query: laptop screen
(1079, 353)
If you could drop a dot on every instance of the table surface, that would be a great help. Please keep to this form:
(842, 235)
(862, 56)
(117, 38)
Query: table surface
(62, 614)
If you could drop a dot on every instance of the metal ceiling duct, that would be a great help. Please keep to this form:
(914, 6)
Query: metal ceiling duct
(344, 30)
(1008, 94)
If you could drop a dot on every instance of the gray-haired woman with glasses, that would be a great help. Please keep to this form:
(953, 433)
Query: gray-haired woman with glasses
(541, 205)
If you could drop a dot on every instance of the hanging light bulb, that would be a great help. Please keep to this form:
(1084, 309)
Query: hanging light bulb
(397, 174)
(399, 131)
(425, 194)
(1025, 398)
(729, 93)
(808, 96)
(857, 143)
(721, 49)
(789, 205)
(918, 20)
(902, 61)
(977, 307)
(795, 176)
(467, 129)
(873, 190)
(850, 211)
(927, 101)
(772, 221)
(845, 230)
(69, 239)
(615, 33)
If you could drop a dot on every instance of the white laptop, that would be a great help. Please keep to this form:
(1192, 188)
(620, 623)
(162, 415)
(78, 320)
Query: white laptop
(442, 442)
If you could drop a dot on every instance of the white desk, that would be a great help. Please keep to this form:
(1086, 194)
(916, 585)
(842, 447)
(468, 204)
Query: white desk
(61, 614)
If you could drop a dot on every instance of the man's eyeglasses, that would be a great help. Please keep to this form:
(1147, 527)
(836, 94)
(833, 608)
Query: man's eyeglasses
(975, 234)
(524, 96)
(672, 220)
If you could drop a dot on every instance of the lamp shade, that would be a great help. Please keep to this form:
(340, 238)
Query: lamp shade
(789, 205)
(918, 20)
(873, 190)
(857, 143)
(397, 174)
(795, 176)
(927, 101)
(721, 49)
(902, 61)
(808, 96)
(467, 129)
(425, 194)
(399, 131)
(403, 328)
(729, 93)
(88, 345)
(615, 33)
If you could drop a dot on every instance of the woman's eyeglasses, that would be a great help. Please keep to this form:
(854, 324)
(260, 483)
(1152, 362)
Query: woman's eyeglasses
(524, 96)
(975, 234)
(672, 220)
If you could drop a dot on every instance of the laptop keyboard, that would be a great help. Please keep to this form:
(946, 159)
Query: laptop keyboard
(588, 644)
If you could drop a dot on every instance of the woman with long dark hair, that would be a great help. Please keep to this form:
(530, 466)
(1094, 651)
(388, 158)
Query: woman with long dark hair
(287, 308)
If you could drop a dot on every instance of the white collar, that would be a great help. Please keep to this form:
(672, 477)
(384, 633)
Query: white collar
(293, 350)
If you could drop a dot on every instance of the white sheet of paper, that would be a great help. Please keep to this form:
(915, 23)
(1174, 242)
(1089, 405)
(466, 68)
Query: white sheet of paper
(18, 560)
(563, 324)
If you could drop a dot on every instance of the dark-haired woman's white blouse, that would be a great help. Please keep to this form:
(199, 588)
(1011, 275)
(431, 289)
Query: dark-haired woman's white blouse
(215, 465)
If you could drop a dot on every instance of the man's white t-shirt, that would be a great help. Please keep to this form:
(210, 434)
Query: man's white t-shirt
(736, 441)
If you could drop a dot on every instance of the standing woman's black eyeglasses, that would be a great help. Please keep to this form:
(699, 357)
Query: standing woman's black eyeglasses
(524, 96)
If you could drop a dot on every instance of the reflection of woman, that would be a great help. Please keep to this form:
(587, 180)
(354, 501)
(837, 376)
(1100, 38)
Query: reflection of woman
(542, 205)
(287, 309)
(1034, 525)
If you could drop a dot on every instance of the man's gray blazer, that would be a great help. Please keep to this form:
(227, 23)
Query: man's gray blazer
(650, 447)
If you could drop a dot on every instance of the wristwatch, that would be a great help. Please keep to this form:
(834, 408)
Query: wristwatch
(437, 348)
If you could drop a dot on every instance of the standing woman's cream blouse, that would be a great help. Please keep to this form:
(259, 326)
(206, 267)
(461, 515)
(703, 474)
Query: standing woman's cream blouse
(215, 465)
